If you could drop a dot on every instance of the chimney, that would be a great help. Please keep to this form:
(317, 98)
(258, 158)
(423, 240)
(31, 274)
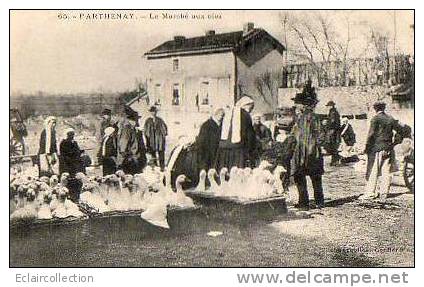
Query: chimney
(248, 27)
(210, 32)
(179, 39)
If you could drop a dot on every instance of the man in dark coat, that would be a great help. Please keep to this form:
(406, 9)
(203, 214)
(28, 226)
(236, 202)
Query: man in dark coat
(70, 155)
(208, 140)
(263, 136)
(238, 141)
(333, 130)
(307, 157)
(155, 131)
(379, 149)
(128, 143)
(107, 155)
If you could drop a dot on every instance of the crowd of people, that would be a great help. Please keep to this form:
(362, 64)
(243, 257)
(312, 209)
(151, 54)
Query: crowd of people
(231, 139)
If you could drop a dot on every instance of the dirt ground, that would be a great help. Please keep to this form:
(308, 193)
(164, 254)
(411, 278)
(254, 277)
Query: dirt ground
(346, 233)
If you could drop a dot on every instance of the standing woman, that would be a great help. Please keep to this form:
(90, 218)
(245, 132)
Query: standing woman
(238, 141)
(48, 148)
(107, 155)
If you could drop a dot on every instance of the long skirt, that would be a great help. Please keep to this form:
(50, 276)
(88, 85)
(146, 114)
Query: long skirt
(108, 166)
(229, 157)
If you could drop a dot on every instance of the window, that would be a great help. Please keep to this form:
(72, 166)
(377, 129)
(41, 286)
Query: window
(175, 65)
(204, 93)
(176, 95)
(158, 94)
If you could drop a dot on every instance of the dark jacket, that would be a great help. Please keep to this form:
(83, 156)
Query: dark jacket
(348, 136)
(333, 119)
(127, 141)
(207, 143)
(380, 134)
(53, 142)
(263, 136)
(111, 149)
(307, 157)
(333, 131)
(155, 132)
(70, 157)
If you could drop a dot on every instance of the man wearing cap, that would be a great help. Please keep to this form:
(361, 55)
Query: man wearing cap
(127, 143)
(333, 130)
(307, 157)
(263, 136)
(379, 149)
(156, 131)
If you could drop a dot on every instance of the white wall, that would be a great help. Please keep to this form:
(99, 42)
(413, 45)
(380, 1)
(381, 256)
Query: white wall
(217, 69)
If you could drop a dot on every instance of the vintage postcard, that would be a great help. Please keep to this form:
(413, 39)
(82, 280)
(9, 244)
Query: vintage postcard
(211, 138)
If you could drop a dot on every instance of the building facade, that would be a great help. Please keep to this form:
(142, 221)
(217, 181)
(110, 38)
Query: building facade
(213, 70)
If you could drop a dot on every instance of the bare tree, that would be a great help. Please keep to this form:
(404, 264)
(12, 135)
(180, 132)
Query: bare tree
(267, 85)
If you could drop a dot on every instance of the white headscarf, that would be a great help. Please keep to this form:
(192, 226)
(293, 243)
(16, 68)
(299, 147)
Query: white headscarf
(67, 131)
(232, 119)
(108, 132)
(48, 127)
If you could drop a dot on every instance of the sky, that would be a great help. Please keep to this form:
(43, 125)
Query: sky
(78, 54)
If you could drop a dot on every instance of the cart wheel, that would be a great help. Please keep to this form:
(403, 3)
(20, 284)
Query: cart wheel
(16, 147)
(409, 175)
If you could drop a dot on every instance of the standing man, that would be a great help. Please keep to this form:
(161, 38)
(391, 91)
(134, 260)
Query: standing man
(333, 130)
(106, 122)
(379, 149)
(307, 157)
(155, 131)
(208, 140)
(70, 155)
(128, 159)
(263, 136)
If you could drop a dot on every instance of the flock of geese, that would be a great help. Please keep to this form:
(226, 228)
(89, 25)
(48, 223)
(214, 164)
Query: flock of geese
(42, 198)
(149, 192)
(244, 183)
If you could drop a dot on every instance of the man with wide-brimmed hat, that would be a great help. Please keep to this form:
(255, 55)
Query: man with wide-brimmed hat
(307, 157)
(156, 131)
(379, 149)
(333, 133)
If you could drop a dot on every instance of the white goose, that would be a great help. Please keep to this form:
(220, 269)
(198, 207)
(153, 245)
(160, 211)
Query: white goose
(278, 183)
(156, 214)
(214, 187)
(182, 200)
(223, 183)
(201, 186)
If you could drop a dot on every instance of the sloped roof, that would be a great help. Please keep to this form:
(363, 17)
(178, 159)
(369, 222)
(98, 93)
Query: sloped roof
(212, 43)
